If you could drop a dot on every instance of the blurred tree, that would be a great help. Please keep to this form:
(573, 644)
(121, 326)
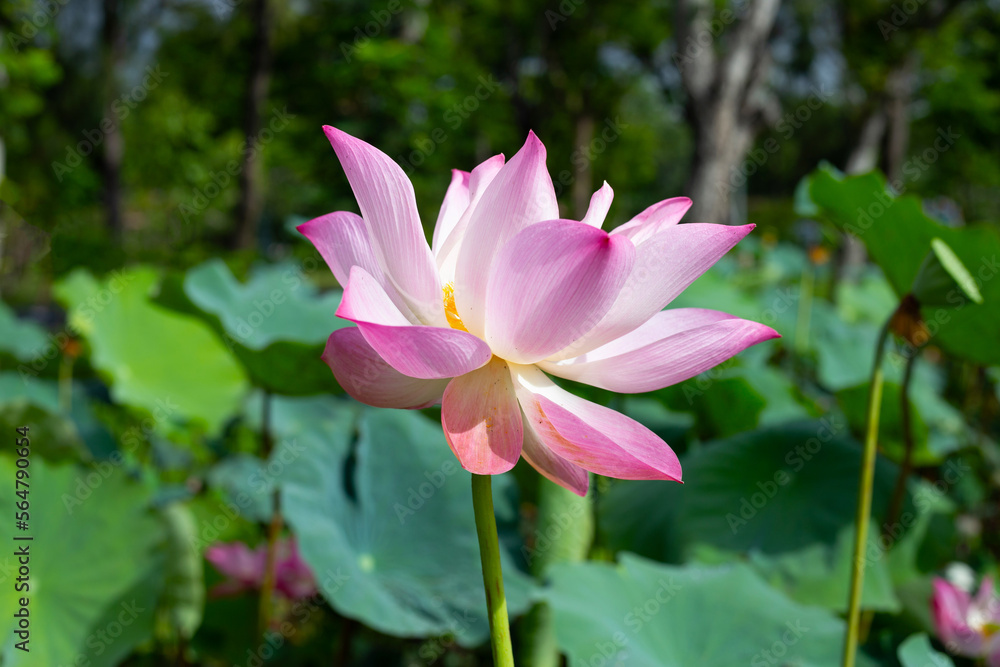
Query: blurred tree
(727, 102)
(248, 210)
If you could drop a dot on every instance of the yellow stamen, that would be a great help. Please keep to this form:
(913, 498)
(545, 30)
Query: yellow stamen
(450, 311)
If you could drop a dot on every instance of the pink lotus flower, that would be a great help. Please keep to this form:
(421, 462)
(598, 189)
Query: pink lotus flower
(968, 626)
(507, 293)
(244, 567)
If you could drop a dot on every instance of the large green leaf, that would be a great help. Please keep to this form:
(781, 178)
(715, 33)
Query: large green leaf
(917, 651)
(784, 496)
(643, 613)
(276, 323)
(898, 236)
(95, 565)
(167, 363)
(26, 401)
(774, 490)
(383, 515)
(23, 340)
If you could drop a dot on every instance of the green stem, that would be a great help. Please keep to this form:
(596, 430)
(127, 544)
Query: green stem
(273, 528)
(906, 468)
(566, 522)
(804, 315)
(863, 516)
(489, 552)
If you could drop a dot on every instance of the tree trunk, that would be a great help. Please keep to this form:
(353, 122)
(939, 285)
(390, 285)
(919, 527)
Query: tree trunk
(864, 156)
(250, 204)
(726, 100)
(899, 90)
(113, 39)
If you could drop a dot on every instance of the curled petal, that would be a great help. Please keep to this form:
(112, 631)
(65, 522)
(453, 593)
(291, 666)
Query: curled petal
(482, 421)
(665, 264)
(521, 194)
(415, 350)
(658, 216)
(554, 467)
(671, 347)
(366, 377)
(342, 240)
(389, 209)
(589, 435)
(550, 284)
(600, 203)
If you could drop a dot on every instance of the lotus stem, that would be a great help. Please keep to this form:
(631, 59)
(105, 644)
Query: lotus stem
(906, 468)
(489, 551)
(273, 528)
(863, 517)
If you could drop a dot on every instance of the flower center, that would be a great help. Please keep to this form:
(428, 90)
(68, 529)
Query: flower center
(450, 311)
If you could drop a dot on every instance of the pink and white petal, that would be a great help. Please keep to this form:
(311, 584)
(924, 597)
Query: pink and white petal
(416, 350)
(342, 240)
(456, 201)
(661, 214)
(671, 347)
(552, 466)
(591, 436)
(366, 377)
(389, 209)
(550, 284)
(600, 204)
(520, 195)
(665, 264)
(446, 254)
(481, 419)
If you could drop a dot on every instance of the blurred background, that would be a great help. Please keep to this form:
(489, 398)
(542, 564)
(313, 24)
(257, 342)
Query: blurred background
(202, 491)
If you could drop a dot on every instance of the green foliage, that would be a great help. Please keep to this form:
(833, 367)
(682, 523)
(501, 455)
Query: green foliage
(93, 597)
(654, 614)
(898, 236)
(917, 651)
(169, 364)
(383, 515)
(276, 324)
